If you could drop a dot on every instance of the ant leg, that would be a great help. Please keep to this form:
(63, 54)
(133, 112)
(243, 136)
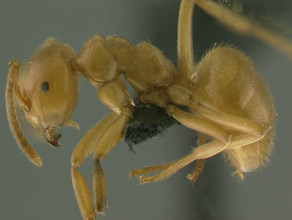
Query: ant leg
(253, 133)
(101, 139)
(186, 63)
(245, 139)
(196, 123)
(105, 135)
(151, 169)
(200, 163)
(115, 96)
(99, 187)
(83, 149)
(82, 195)
(87, 144)
(234, 122)
(113, 135)
(199, 168)
(202, 152)
(245, 27)
(94, 138)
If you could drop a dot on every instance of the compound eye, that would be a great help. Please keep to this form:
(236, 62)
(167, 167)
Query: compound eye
(45, 87)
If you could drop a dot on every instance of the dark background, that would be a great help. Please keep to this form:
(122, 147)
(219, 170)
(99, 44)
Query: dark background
(30, 193)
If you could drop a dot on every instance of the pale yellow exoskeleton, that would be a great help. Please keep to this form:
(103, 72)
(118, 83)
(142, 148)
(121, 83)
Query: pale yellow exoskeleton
(229, 101)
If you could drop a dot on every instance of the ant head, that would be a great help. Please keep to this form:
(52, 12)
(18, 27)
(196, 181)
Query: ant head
(49, 86)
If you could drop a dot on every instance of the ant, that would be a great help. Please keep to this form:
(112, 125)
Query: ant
(229, 101)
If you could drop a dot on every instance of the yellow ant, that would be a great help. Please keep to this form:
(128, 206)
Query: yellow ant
(229, 101)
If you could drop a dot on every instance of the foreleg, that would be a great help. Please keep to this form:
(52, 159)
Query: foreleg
(83, 149)
(100, 140)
